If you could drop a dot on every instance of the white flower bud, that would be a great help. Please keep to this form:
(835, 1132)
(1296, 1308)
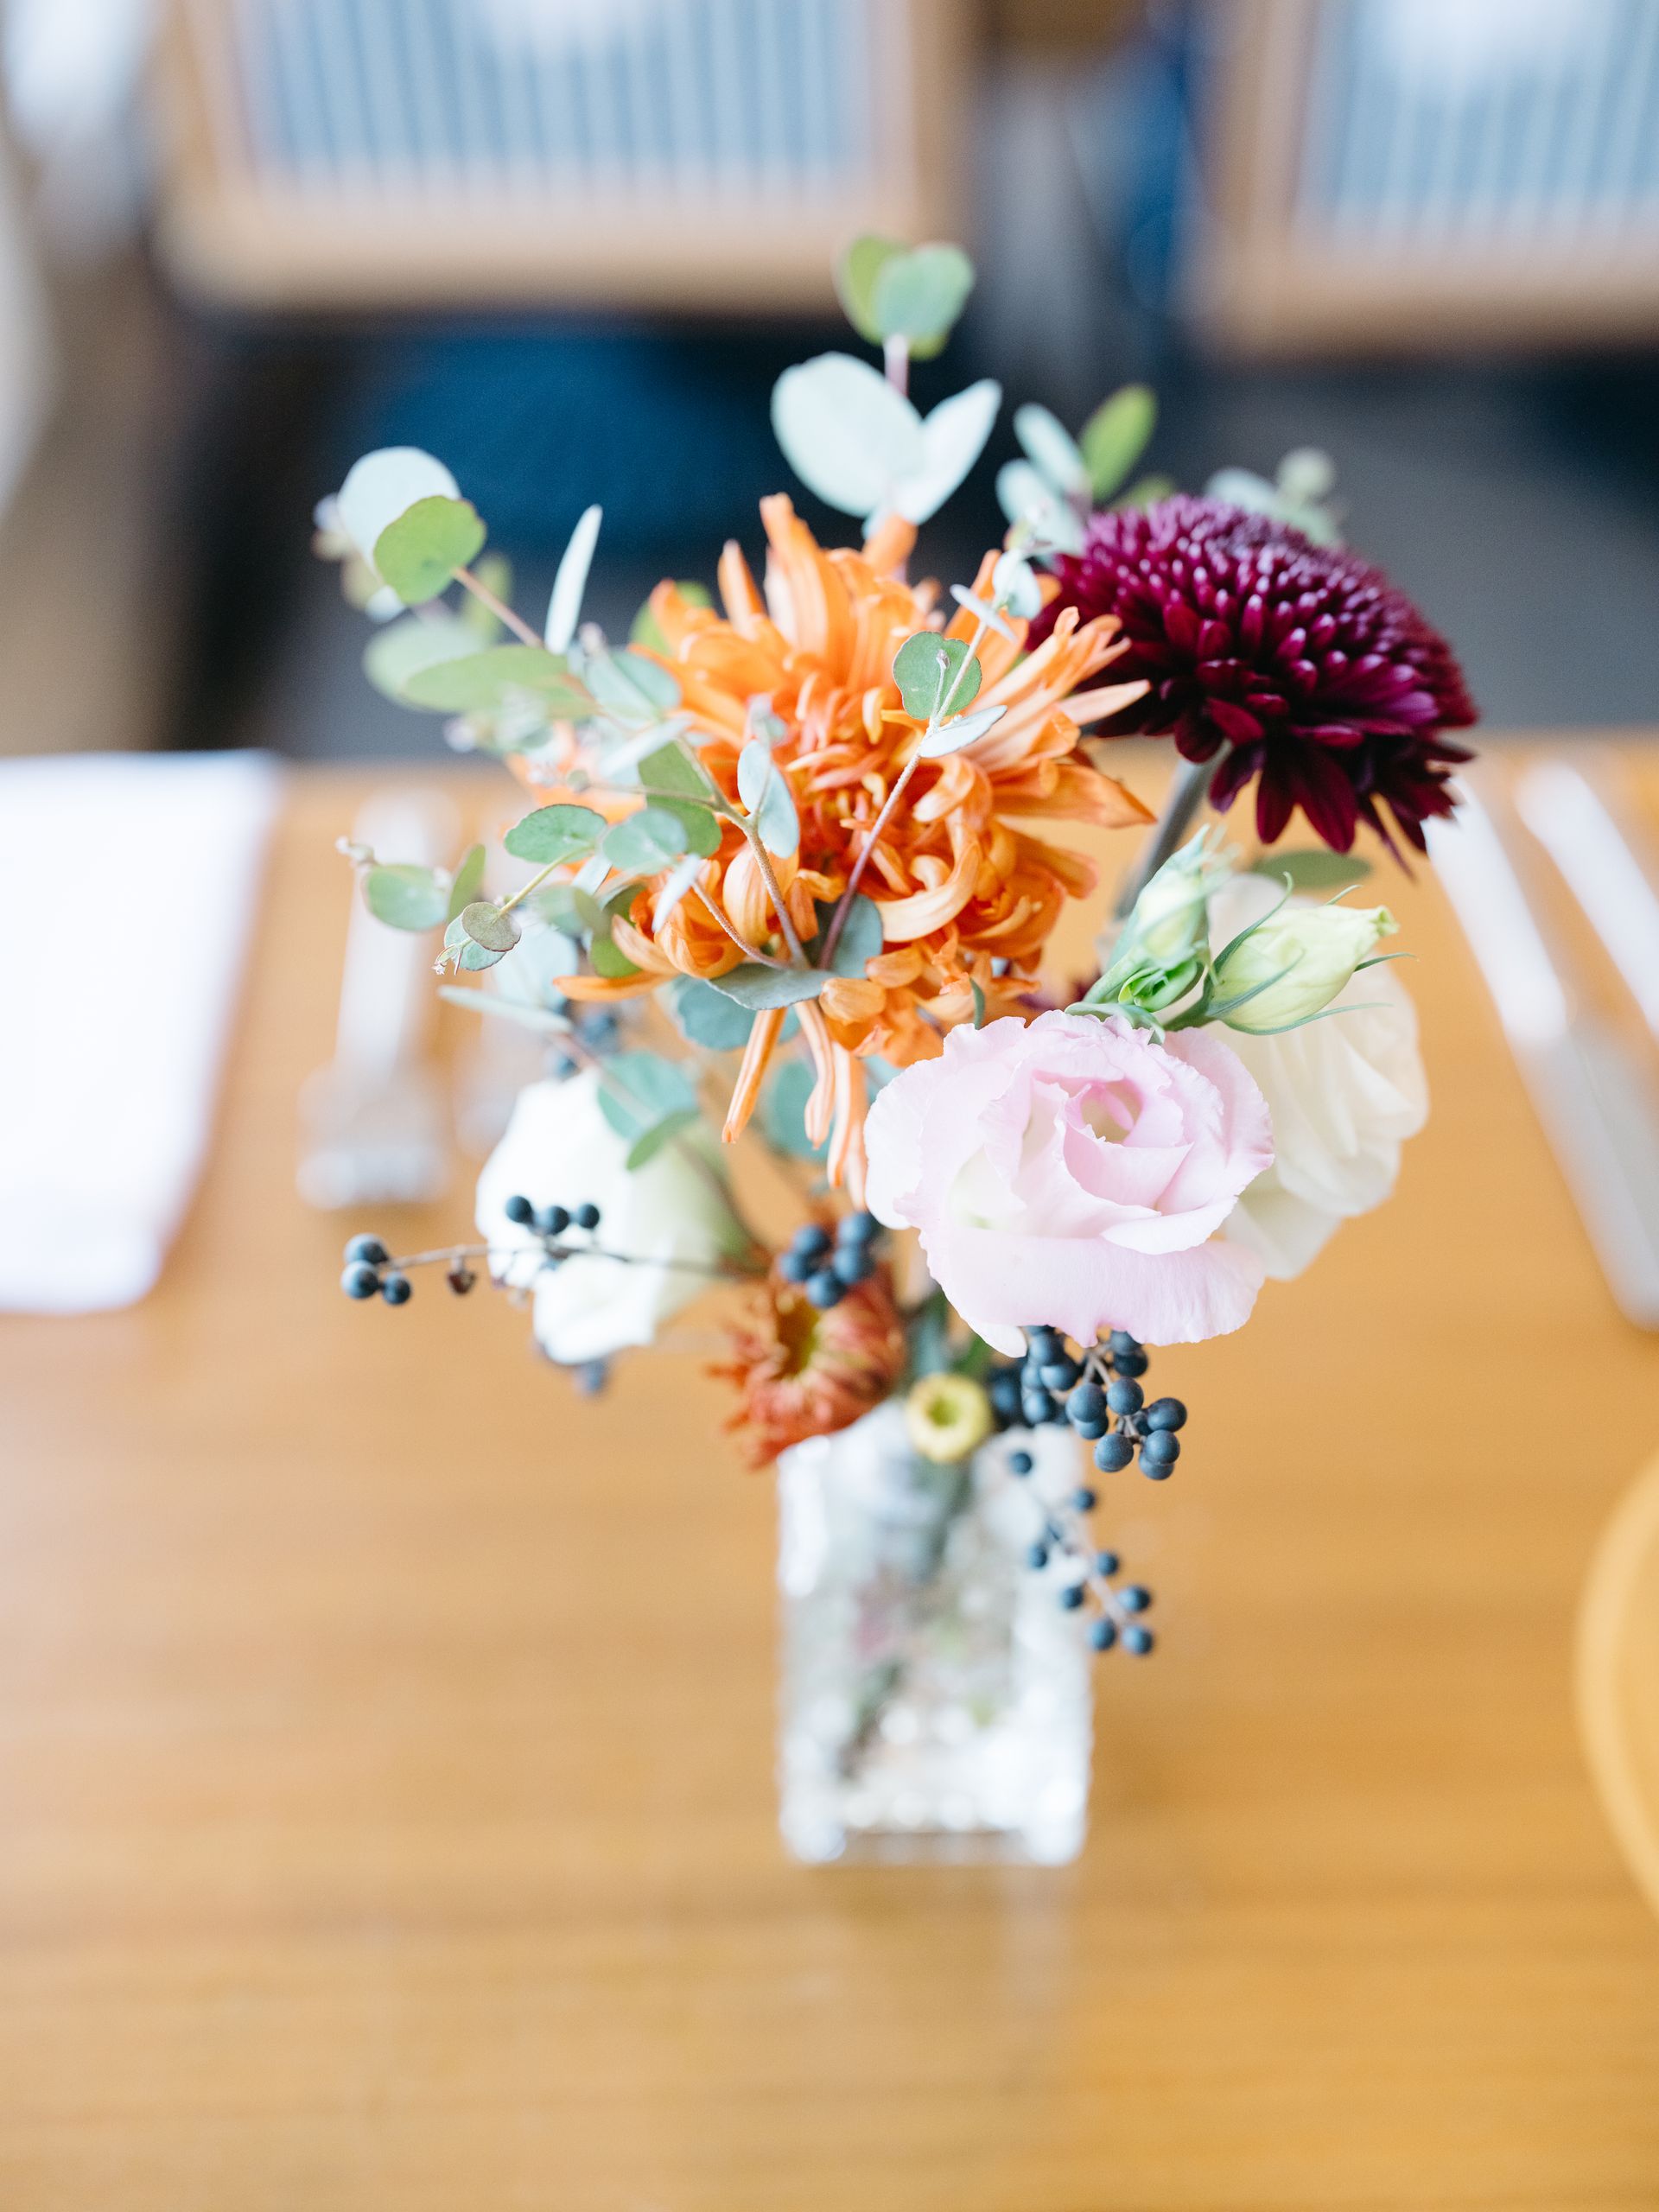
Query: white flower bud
(1296, 962)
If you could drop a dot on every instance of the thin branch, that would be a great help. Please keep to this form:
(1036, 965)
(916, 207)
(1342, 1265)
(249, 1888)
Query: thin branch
(749, 952)
(499, 607)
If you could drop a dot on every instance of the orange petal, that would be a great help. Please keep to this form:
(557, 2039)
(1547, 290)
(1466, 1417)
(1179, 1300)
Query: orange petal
(756, 1054)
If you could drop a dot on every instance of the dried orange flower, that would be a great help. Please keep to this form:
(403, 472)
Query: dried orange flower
(801, 1372)
(967, 892)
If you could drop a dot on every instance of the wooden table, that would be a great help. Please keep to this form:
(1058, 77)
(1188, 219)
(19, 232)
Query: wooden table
(385, 1795)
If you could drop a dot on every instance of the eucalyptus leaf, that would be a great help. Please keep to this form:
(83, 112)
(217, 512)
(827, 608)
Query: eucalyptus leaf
(917, 296)
(610, 961)
(1312, 868)
(637, 1090)
(468, 881)
(1052, 449)
(861, 939)
(707, 1017)
(631, 685)
(645, 842)
(929, 669)
(564, 607)
(555, 833)
(1116, 435)
(846, 434)
(488, 925)
(961, 730)
(406, 896)
(647, 1147)
(482, 680)
(953, 437)
(419, 554)
(541, 1019)
(763, 789)
(568, 908)
(855, 278)
(758, 988)
(410, 643)
(381, 486)
(465, 952)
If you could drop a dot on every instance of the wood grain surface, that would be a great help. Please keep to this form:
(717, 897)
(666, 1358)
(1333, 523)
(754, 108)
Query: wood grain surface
(386, 1818)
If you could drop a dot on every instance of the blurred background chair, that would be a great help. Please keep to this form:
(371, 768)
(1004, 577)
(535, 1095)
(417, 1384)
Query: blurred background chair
(570, 245)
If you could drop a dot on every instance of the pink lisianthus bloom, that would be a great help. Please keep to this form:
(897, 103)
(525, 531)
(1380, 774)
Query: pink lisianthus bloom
(1074, 1173)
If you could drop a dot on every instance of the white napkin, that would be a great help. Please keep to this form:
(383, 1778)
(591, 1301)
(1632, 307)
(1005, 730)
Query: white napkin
(128, 886)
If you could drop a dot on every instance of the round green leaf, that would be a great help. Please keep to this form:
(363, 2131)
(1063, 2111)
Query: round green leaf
(406, 896)
(930, 669)
(410, 643)
(1052, 449)
(481, 680)
(486, 925)
(555, 833)
(917, 296)
(1116, 435)
(644, 842)
(707, 1017)
(468, 883)
(419, 554)
(861, 937)
(855, 279)
(758, 988)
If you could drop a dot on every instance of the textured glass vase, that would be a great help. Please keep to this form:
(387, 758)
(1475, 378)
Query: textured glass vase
(936, 1697)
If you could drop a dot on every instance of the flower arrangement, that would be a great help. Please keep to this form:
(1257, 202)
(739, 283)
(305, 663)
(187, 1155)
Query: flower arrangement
(815, 839)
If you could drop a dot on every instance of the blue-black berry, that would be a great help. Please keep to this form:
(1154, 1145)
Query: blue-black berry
(1131, 1362)
(1139, 1640)
(360, 1280)
(1037, 1555)
(1088, 1402)
(1106, 1564)
(1134, 1598)
(1084, 1500)
(586, 1215)
(823, 1289)
(396, 1290)
(1113, 1454)
(1124, 1397)
(1019, 1463)
(369, 1250)
(1060, 1374)
(858, 1229)
(1071, 1597)
(1003, 1388)
(795, 1267)
(1120, 1342)
(809, 1239)
(552, 1221)
(1036, 1406)
(852, 1263)
(1102, 1634)
(1160, 1449)
(1045, 1343)
(1166, 1413)
(518, 1210)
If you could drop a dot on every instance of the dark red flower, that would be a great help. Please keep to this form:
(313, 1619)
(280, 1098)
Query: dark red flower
(1322, 679)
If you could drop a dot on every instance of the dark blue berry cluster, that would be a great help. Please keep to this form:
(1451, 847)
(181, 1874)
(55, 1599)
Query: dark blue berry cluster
(826, 1267)
(1087, 1578)
(1099, 1392)
(370, 1268)
(370, 1272)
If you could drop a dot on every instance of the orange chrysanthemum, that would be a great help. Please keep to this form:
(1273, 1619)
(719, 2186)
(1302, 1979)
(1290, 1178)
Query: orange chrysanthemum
(967, 894)
(805, 1373)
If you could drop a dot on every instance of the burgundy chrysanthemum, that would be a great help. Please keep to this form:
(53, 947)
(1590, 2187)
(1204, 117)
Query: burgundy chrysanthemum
(1324, 681)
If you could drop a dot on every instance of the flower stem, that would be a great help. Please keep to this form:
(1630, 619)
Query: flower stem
(1186, 795)
(499, 607)
(749, 950)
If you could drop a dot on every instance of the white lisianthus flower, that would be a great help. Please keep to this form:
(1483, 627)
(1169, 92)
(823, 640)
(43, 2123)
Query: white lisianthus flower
(1344, 1093)
(1169, 920)
(560, 1150)
(1296, 962)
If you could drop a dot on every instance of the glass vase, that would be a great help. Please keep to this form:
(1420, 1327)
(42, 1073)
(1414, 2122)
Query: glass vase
(936, 1696)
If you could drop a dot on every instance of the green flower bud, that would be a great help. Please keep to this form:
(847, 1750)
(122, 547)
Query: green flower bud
(1295, 962)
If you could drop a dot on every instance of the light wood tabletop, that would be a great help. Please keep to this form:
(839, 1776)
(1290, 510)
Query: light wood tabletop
(386, 1818)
